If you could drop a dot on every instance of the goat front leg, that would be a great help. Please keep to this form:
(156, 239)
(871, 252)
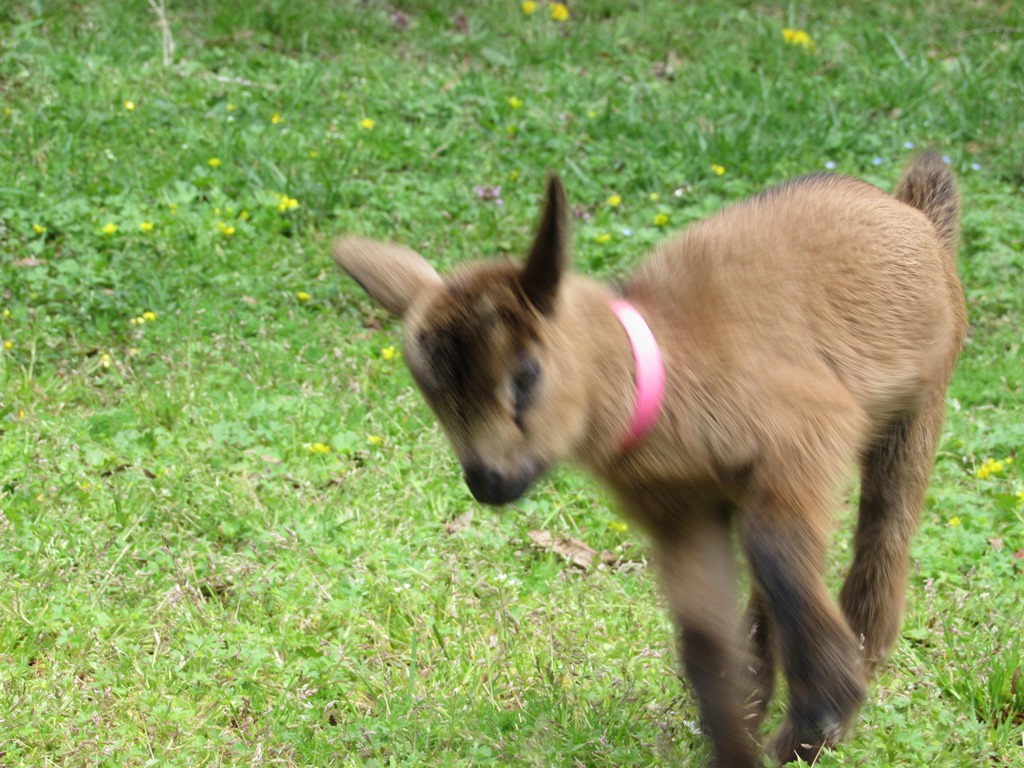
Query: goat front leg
(760, 659)
(785, 543)
(699, 578)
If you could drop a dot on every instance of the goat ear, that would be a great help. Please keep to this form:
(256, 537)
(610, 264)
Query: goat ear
(394, 276)
(549, 254)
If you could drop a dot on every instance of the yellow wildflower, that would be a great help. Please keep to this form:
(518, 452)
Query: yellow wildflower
(39, 229)
(653, 197)
(374, 439)
(213, 162)
(367, 123)
(320, 448)
(718, 170)
(106, 360)
(603, 238)
(285, 203)
(661, 219)
(109, 228)
(529, 7)
(8, 345)
(515, 102)
(129, 105)
(559, 12)
(146, 226)
(799, 38)
(591, 113)
(148, 316)
(614, 201)
(231, 107)
(243, 215)
(276, 118)
(618, 526)
(302, 296)
(955, 521)
(225, 229)
(991, 467)
(388, 353)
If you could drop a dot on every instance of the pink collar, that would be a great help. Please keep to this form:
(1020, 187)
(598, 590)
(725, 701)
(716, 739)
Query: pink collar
(650, 373)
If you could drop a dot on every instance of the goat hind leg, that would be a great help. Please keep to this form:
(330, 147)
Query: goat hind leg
(894, 478)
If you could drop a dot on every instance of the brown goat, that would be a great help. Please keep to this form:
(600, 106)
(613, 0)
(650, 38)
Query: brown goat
(803, 332)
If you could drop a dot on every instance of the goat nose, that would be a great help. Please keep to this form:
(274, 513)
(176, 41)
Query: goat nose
(484, 483)
(490, 486)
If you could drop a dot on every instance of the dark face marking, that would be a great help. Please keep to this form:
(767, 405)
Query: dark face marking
(448, 353)
(470, 349)
(525, 382)
(476, 354)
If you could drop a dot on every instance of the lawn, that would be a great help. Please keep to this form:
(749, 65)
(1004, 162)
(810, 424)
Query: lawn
(230, 532)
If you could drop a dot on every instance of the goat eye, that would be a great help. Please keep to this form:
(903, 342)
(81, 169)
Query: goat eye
(524, 383)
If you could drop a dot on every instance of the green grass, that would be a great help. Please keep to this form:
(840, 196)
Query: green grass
(223, 537)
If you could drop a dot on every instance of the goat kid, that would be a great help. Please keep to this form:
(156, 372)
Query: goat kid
(726, 390)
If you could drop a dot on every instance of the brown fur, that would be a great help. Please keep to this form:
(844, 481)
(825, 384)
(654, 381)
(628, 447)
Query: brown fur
(805, 331)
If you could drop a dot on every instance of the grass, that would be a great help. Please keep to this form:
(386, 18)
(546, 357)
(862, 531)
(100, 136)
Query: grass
(225, 534)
